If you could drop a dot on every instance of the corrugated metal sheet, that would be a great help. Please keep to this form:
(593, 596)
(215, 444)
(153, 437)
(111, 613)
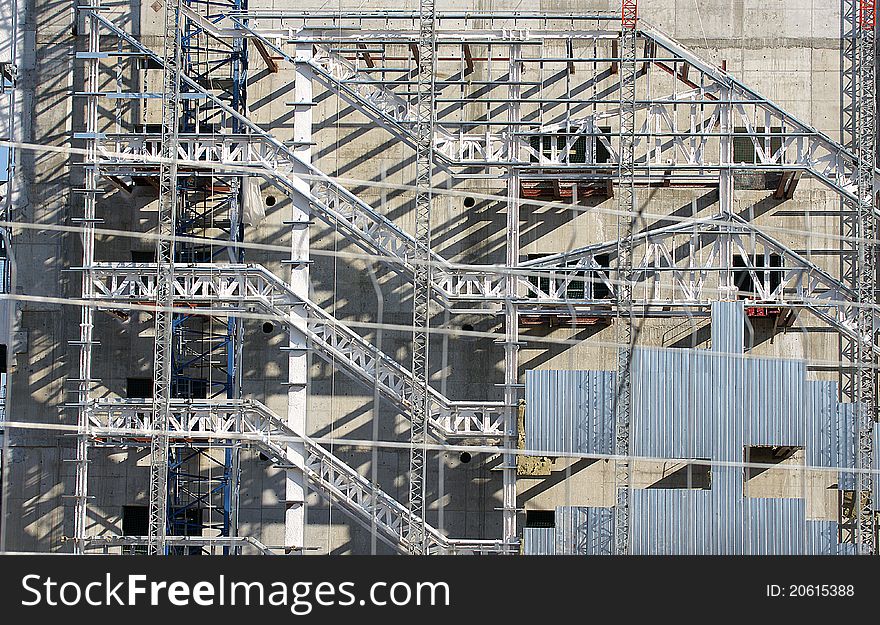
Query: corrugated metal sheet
(539, 541)
(700, 404)
(584, 531)
(568, 411)
(728, 327)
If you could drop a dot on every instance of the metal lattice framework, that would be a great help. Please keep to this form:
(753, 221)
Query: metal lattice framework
(866, 272)
(167, 229)
(424, 132)
(206, 420)
(681, 131)
(237, 287)
(626, 206)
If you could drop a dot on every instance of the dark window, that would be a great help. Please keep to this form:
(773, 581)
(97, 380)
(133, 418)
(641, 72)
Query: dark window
(540, 518)
(187, 522)
(744, 147)
(202, 254)
(764, 268)
(574, 289)
(189, 388)
(139, 388)
(602, 153)
(2, 359)
(150, 63)
(136, 522)
(577, 153)
(544, 145)
(143, 256)
(600, 289)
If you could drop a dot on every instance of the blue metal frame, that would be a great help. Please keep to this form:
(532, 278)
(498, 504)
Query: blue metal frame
(195, 356)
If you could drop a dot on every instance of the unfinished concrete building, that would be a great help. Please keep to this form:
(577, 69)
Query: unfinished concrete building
(452, 277)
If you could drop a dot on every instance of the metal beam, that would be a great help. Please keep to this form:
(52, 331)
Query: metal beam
(165, 249)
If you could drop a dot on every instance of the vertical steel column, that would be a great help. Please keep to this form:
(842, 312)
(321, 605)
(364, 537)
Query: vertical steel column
(866, 288)
(84, 405)
(511, 316)
(626, 206)
(419, 398)
(849, 220)
(166, 228)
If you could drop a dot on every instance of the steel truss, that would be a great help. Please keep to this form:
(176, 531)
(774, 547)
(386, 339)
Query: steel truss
(421, 372)
(676, 140)
(116, 421)
(165, 256)
(236, 287)
(676, 135)
(866, 274)
(626, 222)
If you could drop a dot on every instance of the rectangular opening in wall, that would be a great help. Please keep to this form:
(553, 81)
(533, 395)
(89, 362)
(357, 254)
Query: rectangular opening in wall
(540, 518)
(139, 388)
(187, 522)
(136, 522)
(577, 152)
(784, 478)
(543, 284)
(143, 256)
(744, 147)
(672, 474)
(600, 289)
(601, 152)
(541, 144)
(765, 270)
(847, 516)
(189, 388)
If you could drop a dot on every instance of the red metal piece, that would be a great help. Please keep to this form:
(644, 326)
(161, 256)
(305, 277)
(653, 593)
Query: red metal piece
(762, 311)
(867, 14)
(629, 13)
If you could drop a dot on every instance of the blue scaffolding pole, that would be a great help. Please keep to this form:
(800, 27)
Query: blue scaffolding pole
(202, 484)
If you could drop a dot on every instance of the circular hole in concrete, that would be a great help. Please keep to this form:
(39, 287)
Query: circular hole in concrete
(268, 327)
(467, 327)
(469, 202)
(465, 457)
(270, 200)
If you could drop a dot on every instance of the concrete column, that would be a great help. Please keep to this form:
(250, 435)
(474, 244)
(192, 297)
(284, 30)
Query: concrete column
(298, 359)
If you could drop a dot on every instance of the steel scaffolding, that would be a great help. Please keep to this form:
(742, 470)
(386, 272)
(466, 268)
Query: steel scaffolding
(421, 373)
(626, 221)
(692, 125)
(866, 273)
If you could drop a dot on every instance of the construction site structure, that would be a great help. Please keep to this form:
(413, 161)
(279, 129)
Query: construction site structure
(319, 257)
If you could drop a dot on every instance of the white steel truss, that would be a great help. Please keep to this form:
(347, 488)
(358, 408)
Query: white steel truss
(421, 372)
(866, 274)
(626, 222)
(676, 136)
(268, 433)
(251, 285)
(167, 220)
(680, 132)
